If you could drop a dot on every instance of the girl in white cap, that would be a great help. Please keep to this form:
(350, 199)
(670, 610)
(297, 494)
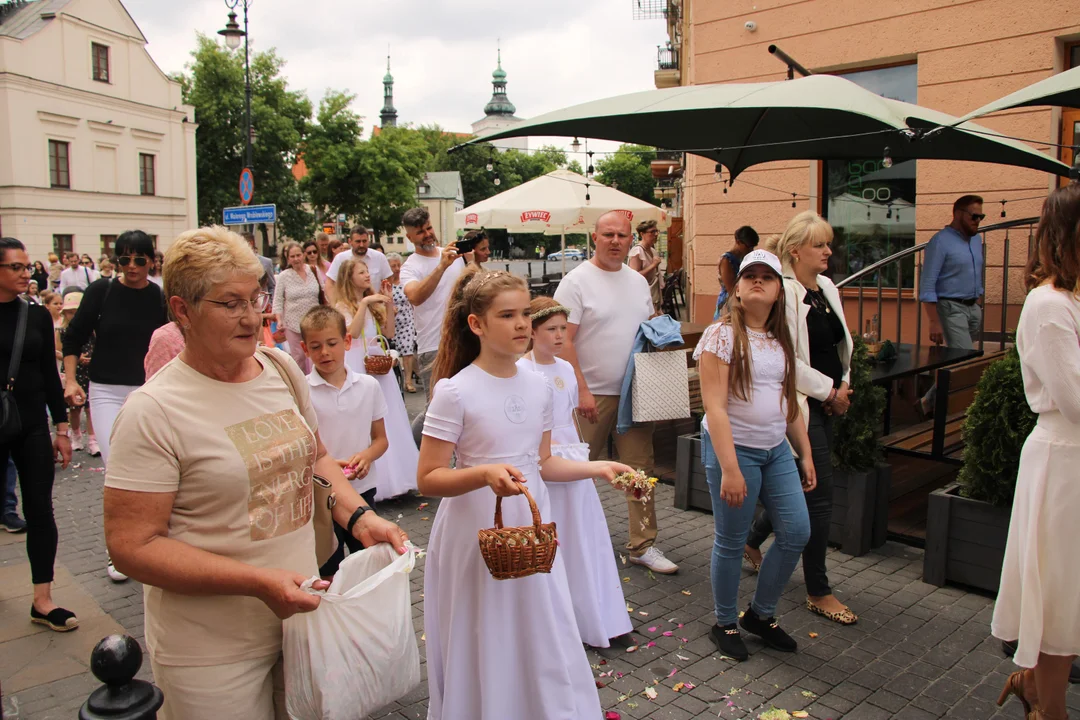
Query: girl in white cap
(747, 369)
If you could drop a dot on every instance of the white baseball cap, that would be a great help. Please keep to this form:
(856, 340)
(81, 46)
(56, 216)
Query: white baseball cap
(761, 257)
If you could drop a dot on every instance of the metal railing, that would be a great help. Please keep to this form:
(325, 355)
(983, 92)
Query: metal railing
(878, 269)
(666, 58)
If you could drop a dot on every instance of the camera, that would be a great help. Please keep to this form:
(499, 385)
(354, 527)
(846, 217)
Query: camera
(468, 243)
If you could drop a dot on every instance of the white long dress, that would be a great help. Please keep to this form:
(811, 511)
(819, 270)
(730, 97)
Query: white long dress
(396, 469)
(1040, 579)
(497, 649)
(584, 540)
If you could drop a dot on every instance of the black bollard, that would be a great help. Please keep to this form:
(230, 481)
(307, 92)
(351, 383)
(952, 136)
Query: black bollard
(529, 265)
(115, 661)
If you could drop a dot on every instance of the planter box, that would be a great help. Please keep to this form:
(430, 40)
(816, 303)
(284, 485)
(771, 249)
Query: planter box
(691, 490)
(965, 540)
(860, 500)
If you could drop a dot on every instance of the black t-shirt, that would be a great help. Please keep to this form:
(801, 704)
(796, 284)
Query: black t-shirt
(124, 319)
(38, 381)
(824, 331)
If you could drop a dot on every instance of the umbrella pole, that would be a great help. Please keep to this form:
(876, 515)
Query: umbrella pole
(563, 253)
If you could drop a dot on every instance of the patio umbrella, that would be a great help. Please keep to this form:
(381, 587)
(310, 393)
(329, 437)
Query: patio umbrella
(1061, 89)
(743, 124)
(558, 203)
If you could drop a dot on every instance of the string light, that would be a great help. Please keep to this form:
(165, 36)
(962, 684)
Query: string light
(497, 181)
(719, 170)
(591, 170)
(1003, 207)
(587, 196)
(792, 199)
(886, 162)
(888, 212)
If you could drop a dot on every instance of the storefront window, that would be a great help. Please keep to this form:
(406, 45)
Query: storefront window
(872, 207)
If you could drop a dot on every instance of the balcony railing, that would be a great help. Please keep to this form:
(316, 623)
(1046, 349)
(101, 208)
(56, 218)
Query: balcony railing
(666, 58)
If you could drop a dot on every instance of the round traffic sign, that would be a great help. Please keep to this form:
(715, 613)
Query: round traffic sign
(247, 186)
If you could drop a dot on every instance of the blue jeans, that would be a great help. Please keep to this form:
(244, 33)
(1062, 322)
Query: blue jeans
(772, 477)
(11, 500)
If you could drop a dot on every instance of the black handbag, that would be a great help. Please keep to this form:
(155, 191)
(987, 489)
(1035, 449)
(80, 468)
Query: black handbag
(10, 423)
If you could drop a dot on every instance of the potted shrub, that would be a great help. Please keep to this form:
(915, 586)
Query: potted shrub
(967, 524)
(858, 495)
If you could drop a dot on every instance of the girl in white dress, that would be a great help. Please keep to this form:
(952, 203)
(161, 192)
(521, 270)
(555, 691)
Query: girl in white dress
(584, 540)
(369, 315)
(1040, 579)
(496, 649)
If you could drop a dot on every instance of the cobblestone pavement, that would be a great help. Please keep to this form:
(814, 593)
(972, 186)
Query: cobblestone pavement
(917, 652)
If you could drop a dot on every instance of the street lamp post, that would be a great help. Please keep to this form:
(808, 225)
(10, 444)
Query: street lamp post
(233, 34)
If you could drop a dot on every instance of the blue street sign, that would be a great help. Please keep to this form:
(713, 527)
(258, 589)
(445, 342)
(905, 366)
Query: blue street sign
(250, 214)
(247, 186)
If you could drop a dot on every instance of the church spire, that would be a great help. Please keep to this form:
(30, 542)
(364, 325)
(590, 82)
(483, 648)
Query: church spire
(499, 103)
(388, 115)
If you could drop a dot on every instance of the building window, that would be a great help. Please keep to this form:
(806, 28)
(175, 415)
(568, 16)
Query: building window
(108, 244)
(870, 207)
(59, 170)
(63, 244)
(146, 174)
(100, 55)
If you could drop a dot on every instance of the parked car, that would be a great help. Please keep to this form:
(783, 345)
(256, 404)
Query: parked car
(570, 253)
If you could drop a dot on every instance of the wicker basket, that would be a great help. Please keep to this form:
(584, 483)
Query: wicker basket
(378, 364)
(518, 552)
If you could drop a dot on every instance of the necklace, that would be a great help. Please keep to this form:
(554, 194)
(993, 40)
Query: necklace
(818, 301)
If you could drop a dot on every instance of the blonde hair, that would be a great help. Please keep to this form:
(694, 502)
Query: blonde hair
(474, 293)
(200, 259)
(805, 227)
(53, 257)
(350, 295)
(740, 377)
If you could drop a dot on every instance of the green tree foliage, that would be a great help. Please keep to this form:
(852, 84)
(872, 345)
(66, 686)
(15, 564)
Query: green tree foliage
(575, 167)
(997, 424)
(855, 447)
(628, 170)
(392, 162)
(214, 85)
(335, 182)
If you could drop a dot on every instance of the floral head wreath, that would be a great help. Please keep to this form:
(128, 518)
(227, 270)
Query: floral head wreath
(553, 310)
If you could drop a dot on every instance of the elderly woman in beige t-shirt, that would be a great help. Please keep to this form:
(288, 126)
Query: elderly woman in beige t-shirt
(209, 495)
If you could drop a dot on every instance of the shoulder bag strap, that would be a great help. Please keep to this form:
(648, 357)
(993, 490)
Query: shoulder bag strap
(283, 373)
(17, 345)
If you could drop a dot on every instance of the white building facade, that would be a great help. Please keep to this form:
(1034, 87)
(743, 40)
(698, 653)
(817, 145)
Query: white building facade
(94, 137)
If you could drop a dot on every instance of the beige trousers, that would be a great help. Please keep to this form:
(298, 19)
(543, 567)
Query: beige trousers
(634, 448)
(246, 690)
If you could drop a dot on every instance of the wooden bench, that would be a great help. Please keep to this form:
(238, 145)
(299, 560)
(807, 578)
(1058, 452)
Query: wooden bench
(942, 437)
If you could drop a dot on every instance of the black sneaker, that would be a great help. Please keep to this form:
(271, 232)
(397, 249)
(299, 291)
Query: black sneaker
(13, 523)
(729, 642)
(768, 630)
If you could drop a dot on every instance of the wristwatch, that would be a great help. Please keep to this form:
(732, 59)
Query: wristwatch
(355, 517)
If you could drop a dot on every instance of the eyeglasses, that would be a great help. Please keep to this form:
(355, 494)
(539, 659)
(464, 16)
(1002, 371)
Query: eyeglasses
(87, 263)
(125, 260)
(17, 268)
(977, 217)
(236, 308)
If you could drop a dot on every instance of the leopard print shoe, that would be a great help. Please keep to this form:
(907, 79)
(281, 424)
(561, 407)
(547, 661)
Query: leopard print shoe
(843, 617)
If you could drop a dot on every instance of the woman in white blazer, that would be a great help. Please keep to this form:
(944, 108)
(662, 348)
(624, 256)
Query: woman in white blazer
(815, 316)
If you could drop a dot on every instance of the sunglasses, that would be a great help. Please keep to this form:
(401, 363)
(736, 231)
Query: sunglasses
(87, 263)
(311, 252)
(125, 260)
(977, 217)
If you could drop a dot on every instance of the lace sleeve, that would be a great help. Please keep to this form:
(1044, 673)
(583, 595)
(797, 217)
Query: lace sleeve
(716, 340)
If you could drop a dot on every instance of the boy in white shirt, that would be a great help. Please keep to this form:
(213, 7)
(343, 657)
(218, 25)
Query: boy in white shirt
(350, 408)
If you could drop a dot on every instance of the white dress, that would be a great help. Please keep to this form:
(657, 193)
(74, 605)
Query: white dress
(397, 467)
(584, 540)
(1040, 579)
(497, 649)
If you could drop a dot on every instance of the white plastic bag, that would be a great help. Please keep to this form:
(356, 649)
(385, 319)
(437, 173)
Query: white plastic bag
(357, 651)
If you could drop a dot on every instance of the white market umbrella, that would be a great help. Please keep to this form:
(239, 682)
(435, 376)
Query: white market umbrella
(556, 204)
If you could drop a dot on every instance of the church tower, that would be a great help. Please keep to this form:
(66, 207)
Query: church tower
(499, 112)
(388, 115)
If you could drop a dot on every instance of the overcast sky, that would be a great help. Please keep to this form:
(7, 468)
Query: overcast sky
(556, 52)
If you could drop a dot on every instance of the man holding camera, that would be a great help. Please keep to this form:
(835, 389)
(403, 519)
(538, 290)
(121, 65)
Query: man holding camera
(428, 277)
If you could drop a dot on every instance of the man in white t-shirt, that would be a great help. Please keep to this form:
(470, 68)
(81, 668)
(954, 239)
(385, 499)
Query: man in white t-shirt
(428, 277)
(378, 268)
(608, 302)
(75, 275)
